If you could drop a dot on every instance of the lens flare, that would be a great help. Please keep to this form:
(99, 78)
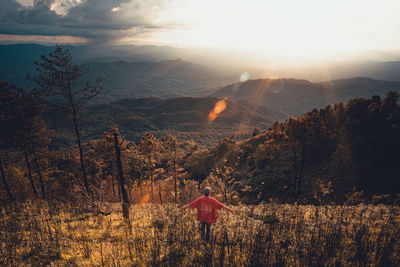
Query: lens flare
(212, 116)
(219, 107)
(244, 76)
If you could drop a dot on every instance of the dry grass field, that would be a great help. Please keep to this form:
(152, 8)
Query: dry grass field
(39, 233)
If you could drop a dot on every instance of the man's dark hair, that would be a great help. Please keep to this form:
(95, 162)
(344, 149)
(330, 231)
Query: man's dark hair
(207, 191)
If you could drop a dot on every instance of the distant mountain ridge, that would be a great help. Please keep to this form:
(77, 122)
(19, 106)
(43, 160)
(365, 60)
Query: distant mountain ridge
(165, 79)
(131, 72)
(134, 75)
(296, 97)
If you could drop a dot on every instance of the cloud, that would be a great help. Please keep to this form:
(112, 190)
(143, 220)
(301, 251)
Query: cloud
(99, 20)
(116, 9)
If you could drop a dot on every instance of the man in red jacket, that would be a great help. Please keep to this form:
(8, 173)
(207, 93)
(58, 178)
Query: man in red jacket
(206, 211)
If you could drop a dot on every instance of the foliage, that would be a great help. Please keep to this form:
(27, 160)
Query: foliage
(23, 129)
(61, 82)
(346, 146)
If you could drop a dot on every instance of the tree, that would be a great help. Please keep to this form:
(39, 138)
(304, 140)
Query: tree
(105, 151)
(22, 126)
(62, 82)
(148, 146)
(137, 167)
(125, 199)
(173, 153)
(307, 136)
(297, 135)
(370, 133)
(32, 134)
(3, 177)
(222, 178)
(256, 132)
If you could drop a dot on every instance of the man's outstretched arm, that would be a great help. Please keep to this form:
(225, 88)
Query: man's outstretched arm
(192, 204)
(219, 205)
(225, 207)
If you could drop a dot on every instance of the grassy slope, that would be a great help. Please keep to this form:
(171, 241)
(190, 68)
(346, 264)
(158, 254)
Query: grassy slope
(271, 234)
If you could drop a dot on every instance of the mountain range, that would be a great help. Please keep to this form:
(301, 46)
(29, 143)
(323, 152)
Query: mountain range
(139, 72)
(165, 79)
(120, 79)
(296, 97)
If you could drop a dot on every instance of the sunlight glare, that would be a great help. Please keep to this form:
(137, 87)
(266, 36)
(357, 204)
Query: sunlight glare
(285, 31)
(244, 76)
(219, 107)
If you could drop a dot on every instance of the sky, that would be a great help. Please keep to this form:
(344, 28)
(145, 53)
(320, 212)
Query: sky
(272, 30)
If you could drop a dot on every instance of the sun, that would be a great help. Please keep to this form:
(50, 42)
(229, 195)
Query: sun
(281, 31)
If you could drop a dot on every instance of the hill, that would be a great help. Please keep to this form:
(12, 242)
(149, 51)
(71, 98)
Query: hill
(184, 116)
(386, 70)
(299, 96)
(325, 154)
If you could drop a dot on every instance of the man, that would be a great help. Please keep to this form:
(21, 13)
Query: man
(206, 211)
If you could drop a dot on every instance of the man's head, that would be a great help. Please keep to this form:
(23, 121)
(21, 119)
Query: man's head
(207, 191)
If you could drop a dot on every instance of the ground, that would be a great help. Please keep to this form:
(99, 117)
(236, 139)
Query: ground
(269, 234)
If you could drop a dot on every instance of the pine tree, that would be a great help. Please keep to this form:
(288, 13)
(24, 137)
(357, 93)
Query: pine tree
(62, 82)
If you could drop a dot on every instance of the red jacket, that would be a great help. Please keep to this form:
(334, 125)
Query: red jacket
(206, 208)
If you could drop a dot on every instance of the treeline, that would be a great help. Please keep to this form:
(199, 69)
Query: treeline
(347, 152)
(34, 165)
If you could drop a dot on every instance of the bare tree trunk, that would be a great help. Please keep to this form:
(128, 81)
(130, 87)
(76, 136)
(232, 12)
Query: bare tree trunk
(221, 190)
(78, 136)
(176, 188)
(151, 179)
(129, 192)
(159, 193)
(226, 189)
(125, 203)
(39, 172)
(3, 176)
(295, 170)
(119, 189)
(151, 186)
(301, 173)
(28, 166)
(78, 140)
(112, 181)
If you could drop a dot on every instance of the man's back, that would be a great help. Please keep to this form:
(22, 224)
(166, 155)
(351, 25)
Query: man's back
(206, 208)
(206, 211)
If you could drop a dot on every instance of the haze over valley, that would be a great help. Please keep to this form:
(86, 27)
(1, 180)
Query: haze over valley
(151, 71)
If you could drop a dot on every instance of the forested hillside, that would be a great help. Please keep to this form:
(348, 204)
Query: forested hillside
(324, 155)
(184, 116)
